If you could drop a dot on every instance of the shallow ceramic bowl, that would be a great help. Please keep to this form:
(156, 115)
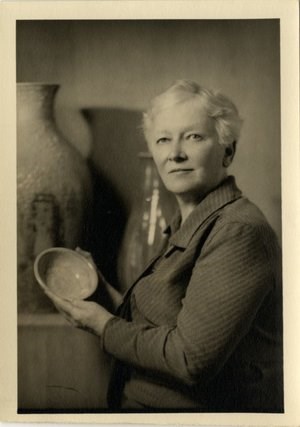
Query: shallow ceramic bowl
(66, 273)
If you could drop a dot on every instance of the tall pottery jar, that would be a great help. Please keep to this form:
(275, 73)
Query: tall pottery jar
(144, 232)
(53, 189)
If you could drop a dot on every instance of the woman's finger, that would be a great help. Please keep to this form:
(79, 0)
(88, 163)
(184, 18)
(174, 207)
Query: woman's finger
(55, 297)
(61, 302)
(84, 253)
(66, 316)
(68, 313)
(81, 251)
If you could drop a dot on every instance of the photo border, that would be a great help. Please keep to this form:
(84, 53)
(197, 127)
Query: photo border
(288, 13)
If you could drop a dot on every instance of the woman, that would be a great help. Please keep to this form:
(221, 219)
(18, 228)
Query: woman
(201, 328)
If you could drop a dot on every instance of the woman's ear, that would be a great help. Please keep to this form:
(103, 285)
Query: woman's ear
(229, 154)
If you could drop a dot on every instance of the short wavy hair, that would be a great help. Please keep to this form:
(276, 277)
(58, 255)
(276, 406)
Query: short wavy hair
(228, 123)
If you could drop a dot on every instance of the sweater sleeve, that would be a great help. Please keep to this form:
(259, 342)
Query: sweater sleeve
(228, 283)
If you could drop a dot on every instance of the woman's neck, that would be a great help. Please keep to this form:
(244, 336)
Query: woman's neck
(186, 207)
(188, 201)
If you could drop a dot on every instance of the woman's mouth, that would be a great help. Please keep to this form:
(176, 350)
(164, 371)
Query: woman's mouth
(180, 170)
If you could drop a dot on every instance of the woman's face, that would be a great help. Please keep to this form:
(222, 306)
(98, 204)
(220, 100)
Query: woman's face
(185, 149)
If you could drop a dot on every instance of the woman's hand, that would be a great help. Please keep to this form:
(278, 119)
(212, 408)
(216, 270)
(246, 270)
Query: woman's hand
(114, 296)
(86, 315)
(86, 255)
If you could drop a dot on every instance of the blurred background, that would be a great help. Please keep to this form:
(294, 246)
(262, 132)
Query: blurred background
(118, 66)
(108, 71)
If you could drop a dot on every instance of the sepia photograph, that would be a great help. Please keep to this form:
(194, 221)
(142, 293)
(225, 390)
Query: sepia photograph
(150, 215)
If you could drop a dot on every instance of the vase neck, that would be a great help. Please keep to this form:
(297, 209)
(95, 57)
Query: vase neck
(35, 101)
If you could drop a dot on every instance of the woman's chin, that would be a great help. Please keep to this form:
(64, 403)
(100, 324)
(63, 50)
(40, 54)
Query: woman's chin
(184, 192)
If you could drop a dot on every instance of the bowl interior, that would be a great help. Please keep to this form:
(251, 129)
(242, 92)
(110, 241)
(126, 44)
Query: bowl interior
(66, 273)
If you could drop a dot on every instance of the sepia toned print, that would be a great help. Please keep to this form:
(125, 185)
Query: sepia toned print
(170, 353)
(157, 171)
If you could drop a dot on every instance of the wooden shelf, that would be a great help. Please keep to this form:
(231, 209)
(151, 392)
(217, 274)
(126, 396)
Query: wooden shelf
(53, 319)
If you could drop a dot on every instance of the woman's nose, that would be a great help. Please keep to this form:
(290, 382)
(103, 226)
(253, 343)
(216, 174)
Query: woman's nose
(177, 154)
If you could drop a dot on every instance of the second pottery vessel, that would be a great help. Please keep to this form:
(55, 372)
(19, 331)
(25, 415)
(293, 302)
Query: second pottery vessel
(150, 215)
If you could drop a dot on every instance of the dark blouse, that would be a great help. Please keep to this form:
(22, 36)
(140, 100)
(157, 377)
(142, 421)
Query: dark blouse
(201, 328)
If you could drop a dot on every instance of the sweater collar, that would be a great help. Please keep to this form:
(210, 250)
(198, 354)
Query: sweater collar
(222, 195)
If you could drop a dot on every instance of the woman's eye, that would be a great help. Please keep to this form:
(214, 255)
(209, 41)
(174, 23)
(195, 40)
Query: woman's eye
(195, 137)
(162, 140)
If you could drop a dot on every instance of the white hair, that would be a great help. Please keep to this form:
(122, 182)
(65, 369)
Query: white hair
(220, 108)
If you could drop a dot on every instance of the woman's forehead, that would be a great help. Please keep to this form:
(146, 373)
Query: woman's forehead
(175, 102)
(189, 112)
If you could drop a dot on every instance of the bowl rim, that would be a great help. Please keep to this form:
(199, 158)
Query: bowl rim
(67, 250)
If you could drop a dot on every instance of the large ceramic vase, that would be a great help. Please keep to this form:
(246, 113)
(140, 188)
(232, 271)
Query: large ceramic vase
(53, 189)
(144, 232)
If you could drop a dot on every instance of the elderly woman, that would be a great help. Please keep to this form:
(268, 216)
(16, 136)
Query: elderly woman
(201, 328)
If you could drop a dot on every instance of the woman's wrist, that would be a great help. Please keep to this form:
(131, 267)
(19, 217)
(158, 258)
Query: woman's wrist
(102, 321)
(107, 295)
(114, 294)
